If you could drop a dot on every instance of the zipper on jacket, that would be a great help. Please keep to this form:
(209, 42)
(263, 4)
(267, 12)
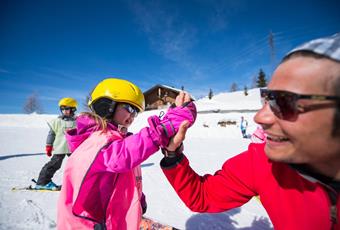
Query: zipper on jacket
(97, 225)
(332, 191)
(332, 194)
(334, 212)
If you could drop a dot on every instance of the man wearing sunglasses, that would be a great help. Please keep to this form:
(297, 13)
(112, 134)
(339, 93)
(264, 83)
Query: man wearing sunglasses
(296, 172)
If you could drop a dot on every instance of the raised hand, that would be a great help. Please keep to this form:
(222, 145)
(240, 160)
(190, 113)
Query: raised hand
(183, 110)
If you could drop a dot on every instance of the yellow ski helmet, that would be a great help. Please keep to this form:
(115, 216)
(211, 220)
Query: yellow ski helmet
(118, 90)
(68, 102)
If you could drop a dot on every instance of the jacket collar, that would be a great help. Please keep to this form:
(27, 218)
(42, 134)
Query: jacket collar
(309, 175)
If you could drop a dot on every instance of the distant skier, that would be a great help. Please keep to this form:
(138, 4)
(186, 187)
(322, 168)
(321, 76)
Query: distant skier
(243, 126)
(56, 143)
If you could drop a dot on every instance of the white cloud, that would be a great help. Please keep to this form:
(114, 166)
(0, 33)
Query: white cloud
(167, 33)
(4, 71)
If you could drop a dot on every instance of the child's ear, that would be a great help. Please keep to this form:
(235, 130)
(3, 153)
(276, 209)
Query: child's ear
(104, 107)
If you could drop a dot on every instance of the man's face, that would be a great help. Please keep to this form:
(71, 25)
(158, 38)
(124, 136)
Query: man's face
(307, 139)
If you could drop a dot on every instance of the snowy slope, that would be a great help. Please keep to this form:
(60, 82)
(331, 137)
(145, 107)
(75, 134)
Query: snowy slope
(22, 141)
(231, 101)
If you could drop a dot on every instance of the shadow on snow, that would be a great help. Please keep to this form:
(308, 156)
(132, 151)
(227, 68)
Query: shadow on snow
(20, 155)
(224, 221)
(147, 165)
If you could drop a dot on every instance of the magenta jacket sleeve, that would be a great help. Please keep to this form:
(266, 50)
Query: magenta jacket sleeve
(125, 154)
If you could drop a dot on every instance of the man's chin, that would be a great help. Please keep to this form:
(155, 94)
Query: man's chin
(277, 155)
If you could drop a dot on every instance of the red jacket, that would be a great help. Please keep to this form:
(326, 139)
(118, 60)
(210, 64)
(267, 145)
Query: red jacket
(291, 201)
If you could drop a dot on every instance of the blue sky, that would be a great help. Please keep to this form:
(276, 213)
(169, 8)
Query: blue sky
(63, 48)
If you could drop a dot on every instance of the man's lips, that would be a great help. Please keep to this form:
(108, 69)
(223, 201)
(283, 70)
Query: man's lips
(277, 138)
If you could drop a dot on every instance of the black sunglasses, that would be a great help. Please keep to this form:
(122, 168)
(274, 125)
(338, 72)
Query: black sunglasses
(284, 104)
(131, 109)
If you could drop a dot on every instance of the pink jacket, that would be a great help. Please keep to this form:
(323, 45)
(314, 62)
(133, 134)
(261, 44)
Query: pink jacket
(102, 178)
(258, 136)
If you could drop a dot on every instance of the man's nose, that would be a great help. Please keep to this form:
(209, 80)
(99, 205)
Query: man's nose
(265, 116)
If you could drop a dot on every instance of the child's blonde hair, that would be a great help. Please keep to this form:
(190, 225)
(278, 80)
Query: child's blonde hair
(100, 121)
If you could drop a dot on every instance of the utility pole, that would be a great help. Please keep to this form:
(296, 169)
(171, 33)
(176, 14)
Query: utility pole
(272, 51)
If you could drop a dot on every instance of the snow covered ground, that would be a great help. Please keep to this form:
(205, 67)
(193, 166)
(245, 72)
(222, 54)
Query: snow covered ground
(22, 142)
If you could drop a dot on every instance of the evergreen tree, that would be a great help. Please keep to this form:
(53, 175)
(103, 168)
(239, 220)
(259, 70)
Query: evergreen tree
(261, 79)
(85, 104)
(210, 95)
(32, 104)
(254, 82)
(233, 87)
(245, 90)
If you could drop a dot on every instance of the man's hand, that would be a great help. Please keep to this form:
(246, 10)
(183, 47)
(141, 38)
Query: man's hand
(177, 140)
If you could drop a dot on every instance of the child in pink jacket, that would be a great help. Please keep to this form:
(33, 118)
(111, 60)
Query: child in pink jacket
(258, 136)
(102, 184)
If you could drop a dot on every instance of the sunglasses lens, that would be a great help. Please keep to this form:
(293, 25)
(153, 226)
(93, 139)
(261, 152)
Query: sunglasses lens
(275, 108)
(283, 104)
(131, 109)
(286, 104)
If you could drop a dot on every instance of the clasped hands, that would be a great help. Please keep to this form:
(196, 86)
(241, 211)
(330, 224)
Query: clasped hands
(175, 142)
(169, 131)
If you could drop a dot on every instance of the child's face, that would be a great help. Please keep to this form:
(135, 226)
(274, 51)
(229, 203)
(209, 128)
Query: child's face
(66, 111)
(124, 114)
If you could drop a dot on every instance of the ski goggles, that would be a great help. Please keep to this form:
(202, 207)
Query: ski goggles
(284, 104)
(131, 109)
(62, 108)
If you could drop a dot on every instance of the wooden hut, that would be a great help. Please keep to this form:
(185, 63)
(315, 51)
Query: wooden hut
(160, 96)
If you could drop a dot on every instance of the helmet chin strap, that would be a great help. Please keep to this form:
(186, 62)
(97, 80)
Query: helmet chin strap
(122, 129)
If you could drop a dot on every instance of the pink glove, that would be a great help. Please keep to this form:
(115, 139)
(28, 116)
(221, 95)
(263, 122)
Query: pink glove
(176, 115)
(49, 150)
(168, 126)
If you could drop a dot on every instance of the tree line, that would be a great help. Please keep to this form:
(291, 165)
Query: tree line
(32, 103)
(259, 81)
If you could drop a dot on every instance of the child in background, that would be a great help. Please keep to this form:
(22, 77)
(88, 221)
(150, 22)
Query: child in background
(102, 184)
(56, 143)
(243, 126)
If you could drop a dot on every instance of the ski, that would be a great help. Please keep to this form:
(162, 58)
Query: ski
(149, 224)
(22, 188)
(31, 188)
